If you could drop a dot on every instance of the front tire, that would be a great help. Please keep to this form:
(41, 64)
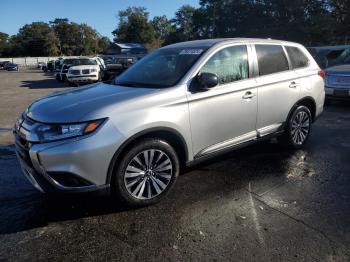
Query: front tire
(146, 172)
(298, 128)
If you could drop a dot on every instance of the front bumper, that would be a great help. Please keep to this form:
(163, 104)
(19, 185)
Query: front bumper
(82, 78)
(73, 165)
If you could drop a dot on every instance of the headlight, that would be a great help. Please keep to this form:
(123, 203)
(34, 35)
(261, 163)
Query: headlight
(47, 133)
(93, 70)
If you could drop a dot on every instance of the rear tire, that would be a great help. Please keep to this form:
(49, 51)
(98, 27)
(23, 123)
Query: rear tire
(298, 128)
(146, 172)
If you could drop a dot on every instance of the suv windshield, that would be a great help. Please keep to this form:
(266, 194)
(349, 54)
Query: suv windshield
(162, 68)
(79, 61)
(84, 61)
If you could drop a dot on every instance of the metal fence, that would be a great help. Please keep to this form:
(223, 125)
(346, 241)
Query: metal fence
(30, 61)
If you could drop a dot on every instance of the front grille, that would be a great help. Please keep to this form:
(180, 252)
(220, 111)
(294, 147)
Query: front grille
(74, 72)
(86, 71)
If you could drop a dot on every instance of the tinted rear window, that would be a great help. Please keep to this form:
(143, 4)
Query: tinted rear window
(297, 57)
(271, 59)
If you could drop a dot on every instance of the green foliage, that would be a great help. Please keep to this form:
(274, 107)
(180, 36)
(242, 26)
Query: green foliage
(310, 22)
(134, 26)
(77, 39)
(4, 43)
(35, 39)
(103, 44)
(59, 37)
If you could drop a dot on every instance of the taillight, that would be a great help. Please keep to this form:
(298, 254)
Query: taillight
(322, 73)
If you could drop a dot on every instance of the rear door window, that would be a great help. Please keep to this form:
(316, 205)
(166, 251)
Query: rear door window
(271, 59)
(297, 58)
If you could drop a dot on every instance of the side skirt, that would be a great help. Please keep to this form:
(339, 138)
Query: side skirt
(202, 158)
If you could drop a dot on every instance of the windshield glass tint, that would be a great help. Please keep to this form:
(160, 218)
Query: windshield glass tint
(162, 68)
(84, 61)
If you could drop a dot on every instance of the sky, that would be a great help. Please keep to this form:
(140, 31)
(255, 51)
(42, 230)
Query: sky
(99, 14)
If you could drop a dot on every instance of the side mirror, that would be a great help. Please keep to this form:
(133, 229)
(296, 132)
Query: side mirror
(205, 81)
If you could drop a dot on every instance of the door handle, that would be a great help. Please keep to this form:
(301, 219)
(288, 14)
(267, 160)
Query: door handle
(294, 85)
(248, 95)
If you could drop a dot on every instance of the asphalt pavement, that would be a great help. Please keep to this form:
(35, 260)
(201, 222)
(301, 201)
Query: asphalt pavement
(262, 203)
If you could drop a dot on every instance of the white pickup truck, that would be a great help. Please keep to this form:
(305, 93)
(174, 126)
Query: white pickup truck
(83, 70)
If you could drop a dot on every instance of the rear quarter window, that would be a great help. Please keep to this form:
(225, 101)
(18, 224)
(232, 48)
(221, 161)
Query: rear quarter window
(271, 59)
(297, 57)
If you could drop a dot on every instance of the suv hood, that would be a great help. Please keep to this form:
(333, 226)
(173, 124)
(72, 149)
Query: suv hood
(71, 106)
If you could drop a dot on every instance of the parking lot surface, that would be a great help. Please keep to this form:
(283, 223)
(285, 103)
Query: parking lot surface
(262, 203)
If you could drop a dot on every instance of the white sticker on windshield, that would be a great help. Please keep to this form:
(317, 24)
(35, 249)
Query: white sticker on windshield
(191, 52)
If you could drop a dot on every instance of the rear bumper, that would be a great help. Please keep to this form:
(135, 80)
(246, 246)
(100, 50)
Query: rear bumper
(337, 93)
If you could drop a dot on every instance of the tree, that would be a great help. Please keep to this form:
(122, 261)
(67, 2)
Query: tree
(89, 40)
(305, 21)
(162, 28)
(4, 44)
(69, 36)
(76, 39)
(134, 26)
(36, 39)
(340, 11)
(183, 28)
(103, 44)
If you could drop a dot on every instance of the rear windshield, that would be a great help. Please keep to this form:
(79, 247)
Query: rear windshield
(160, 69)
(297, 57)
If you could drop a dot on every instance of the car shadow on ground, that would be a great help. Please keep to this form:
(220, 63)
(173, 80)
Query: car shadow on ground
(338, 104)
(49, 82)
(30, 209)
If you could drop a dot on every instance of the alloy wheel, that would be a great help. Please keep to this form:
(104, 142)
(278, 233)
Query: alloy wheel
(148, 174)
(300, 127)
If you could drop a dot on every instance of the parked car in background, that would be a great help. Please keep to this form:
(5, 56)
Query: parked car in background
(50, 66)
(120, 56)
(117, 64)
(41, 65)
(62, 70)
(336, 62)
(85, 70)
(3, 64)
(338, 82)
(66, 64)
(177, 106)
(11, 67)
(327, 56)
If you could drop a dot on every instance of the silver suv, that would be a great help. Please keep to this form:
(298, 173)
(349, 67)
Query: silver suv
(179, 105)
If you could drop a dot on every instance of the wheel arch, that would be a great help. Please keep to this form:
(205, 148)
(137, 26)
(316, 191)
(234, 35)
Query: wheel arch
(307, 101)
(170, 135)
